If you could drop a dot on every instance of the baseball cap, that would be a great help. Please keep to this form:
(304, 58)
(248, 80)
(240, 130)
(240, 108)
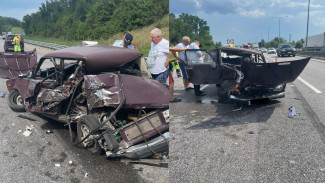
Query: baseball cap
(128, 39)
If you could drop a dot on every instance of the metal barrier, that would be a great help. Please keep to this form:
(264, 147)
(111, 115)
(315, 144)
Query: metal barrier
(46, 45)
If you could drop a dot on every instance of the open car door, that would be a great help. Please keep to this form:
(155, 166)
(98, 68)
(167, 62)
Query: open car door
(14, 64)
(202, 66)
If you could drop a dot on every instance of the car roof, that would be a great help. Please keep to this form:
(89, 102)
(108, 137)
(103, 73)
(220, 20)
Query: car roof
(97, 58)
(239, 50)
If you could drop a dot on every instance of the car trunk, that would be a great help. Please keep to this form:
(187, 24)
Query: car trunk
(271, 74)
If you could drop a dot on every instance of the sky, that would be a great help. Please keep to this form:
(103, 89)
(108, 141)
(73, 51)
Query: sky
(19, 8)
(251, 20)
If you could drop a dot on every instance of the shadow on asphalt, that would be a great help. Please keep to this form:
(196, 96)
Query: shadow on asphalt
(231, 114)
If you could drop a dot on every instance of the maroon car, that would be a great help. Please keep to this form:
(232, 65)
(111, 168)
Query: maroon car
(242, 74)
(106, 91)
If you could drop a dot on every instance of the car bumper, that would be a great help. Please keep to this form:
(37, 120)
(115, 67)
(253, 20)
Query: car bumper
(270, 96)
(139, 151)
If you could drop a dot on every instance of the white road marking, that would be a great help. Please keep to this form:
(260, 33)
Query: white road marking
(309, 85)
(317, 60)
(203, 87)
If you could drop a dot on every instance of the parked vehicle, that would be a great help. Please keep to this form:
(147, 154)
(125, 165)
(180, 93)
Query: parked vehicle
(243, 75)
(271, 51)
(9, 44)
(106, 92)
(263, 50)
(285, 49)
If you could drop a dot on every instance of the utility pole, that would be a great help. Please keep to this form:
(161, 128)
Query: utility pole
(279, 27)
(290, 38)
(307, 23)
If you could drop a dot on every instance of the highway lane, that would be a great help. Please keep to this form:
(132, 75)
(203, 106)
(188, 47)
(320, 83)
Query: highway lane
(223, 142)
(33, 158)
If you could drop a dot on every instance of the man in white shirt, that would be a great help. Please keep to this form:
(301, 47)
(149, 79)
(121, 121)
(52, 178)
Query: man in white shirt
(158, 55)
(182, 61)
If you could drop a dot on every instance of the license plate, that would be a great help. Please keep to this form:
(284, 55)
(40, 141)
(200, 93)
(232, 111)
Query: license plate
(289, 52)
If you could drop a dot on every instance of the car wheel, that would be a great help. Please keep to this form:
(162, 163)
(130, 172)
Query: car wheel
(293, 55)
(15, 101)
(85, 125)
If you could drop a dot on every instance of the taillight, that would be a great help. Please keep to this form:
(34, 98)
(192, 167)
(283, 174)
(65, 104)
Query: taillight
(21, 41)
(237, 88)
(7, 41)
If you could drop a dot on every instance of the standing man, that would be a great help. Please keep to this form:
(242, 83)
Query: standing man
(126, 42)
(158, 56)
(182, 61)
(196, 57)
(16, 41)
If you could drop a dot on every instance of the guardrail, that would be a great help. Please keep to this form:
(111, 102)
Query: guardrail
(46, 45)
(312, 53)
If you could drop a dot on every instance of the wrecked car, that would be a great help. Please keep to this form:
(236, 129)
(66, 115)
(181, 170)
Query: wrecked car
(106, 91)
(242, 74)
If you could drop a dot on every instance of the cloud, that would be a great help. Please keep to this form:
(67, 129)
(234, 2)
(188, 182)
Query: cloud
(255, 13)
(197, 3)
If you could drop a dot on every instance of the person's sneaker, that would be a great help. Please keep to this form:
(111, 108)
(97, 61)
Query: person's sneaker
(175, 100)
(201, 94)
(188, 88)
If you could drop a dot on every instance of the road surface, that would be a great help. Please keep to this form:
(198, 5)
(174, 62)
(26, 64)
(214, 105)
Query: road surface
(33, 158)
(224, 142)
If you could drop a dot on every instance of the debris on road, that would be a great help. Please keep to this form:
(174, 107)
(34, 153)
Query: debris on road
(237, 109)
(19, 131)
(251, 132)
(26, 117)
(2, 94)
(57, 165)
(322, 169)
(292, 112)
(86, 174)
(70, 162)
(292, 162)
(27, 132)
(49, 131)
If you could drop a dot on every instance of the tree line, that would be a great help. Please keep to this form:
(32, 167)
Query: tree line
(7, 23)
(193, 27)
(77, 19)
(275, 42)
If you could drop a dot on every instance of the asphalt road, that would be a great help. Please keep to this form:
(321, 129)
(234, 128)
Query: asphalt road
(224, 142)
(33, 158)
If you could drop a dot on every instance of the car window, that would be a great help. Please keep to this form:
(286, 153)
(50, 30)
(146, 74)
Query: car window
(286, 46)
(196, 56)
(10, 37)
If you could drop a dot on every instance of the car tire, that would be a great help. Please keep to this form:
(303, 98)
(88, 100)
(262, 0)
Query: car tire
(15, 101)
(85, 125)
(293, 55)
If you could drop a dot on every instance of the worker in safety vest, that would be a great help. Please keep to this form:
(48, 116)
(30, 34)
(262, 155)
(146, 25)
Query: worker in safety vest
(17, 43)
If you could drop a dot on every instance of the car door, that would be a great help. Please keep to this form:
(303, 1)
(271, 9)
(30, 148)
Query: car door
(202, 66)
